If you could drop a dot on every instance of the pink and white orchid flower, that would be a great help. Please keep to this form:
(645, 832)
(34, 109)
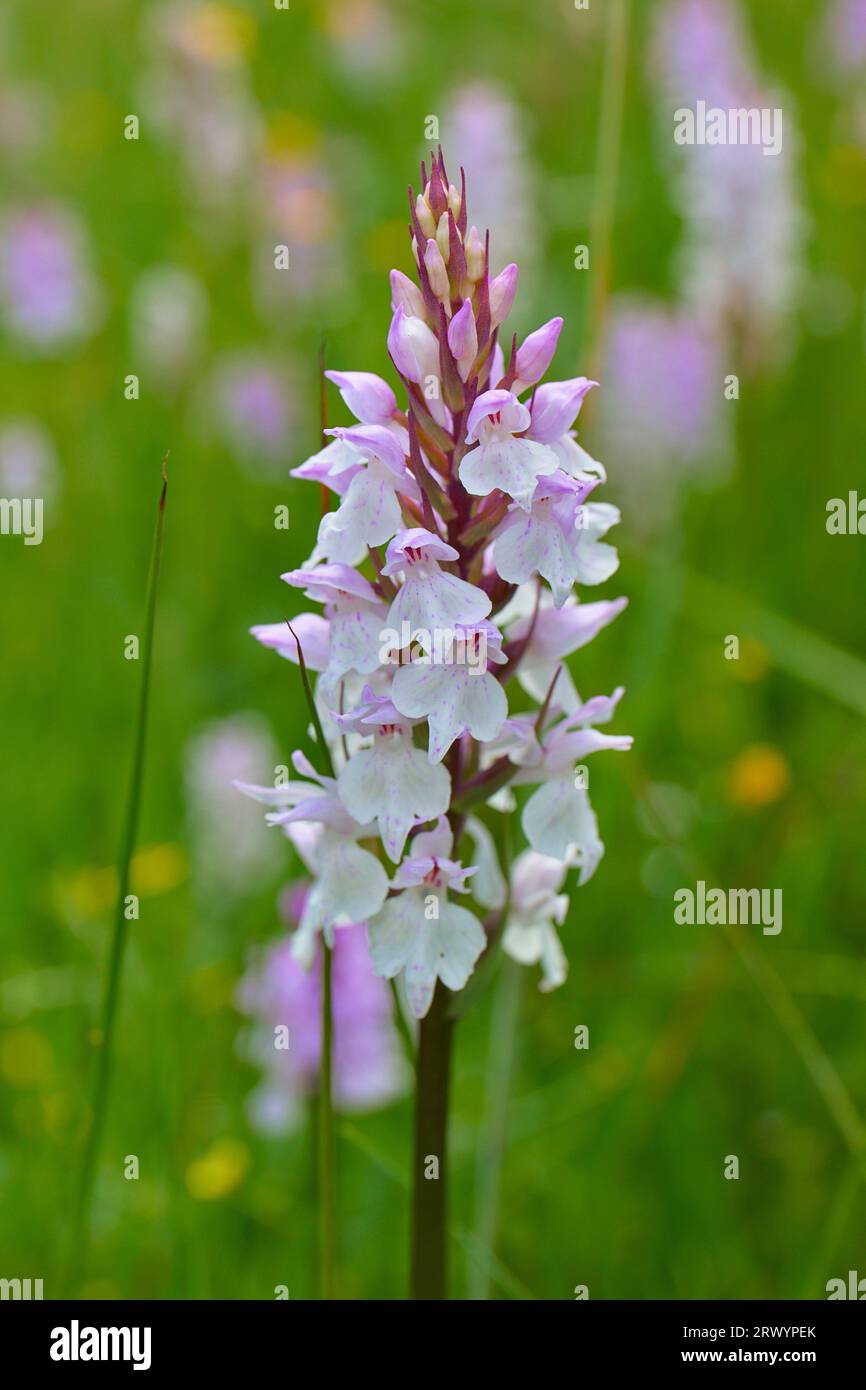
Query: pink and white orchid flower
(558, 537)
(536, 908)
(419, 932)
(464, 516)
(430, 600)
(502, 457)
(390, 780)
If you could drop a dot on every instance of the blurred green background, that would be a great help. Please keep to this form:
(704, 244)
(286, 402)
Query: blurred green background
(746, 773)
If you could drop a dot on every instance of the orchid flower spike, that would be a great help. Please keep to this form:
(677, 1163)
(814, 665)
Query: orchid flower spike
(443, 578)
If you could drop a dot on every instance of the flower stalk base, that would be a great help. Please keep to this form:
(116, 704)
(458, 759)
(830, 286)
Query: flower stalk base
(429, 1253)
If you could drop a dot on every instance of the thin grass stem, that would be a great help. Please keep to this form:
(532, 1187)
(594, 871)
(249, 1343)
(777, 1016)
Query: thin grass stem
(105, 1035)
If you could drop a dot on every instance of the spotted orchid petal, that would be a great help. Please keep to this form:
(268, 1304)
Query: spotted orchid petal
(536, 908)
(559, 538)
(455, 696)
(552, 634)
(335, 466)
(501, 459)
(558, 821)
(393, 784)
(351, 886)
(488, 886)
(430, 601)
(406, 937)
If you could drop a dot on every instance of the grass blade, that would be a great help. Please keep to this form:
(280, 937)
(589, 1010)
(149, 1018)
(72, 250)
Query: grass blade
(108, 1023)
(327, 1146)
(324, 752)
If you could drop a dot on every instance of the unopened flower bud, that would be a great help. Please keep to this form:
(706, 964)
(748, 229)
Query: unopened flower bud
(474, 255)
(425, 217)
(436, 193)
(535, 353)
(454, 202)
(463, 339)
(502, 291)
(436, 271)
(406, 294)
(413, 347)
(442, 237)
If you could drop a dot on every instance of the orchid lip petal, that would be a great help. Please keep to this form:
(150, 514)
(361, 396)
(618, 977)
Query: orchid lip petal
(500, 404)
(407, 547)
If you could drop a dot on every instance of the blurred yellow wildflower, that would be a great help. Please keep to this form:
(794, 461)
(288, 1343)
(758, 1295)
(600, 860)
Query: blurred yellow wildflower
(758, 777)
(155, 869)
(754, 660)
(218, 1171)
(25, 1057)
(348, 19)
(216, 34)
(289, 132)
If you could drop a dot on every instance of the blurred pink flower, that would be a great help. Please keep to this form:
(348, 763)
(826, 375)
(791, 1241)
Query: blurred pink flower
(700, 50)
(369, 1068)
(297, 207)
(741, 263)
(196, 90)
(168, 316)
(255, 407)
(846, 31)
(229, 854)
(25, 117)
(663, 411)
(366, 38)
(48, 296)
(28, 460)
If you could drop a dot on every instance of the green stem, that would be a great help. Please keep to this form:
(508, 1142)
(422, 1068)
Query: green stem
(105, 1041)
(428, 1263)
(327, 1141)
